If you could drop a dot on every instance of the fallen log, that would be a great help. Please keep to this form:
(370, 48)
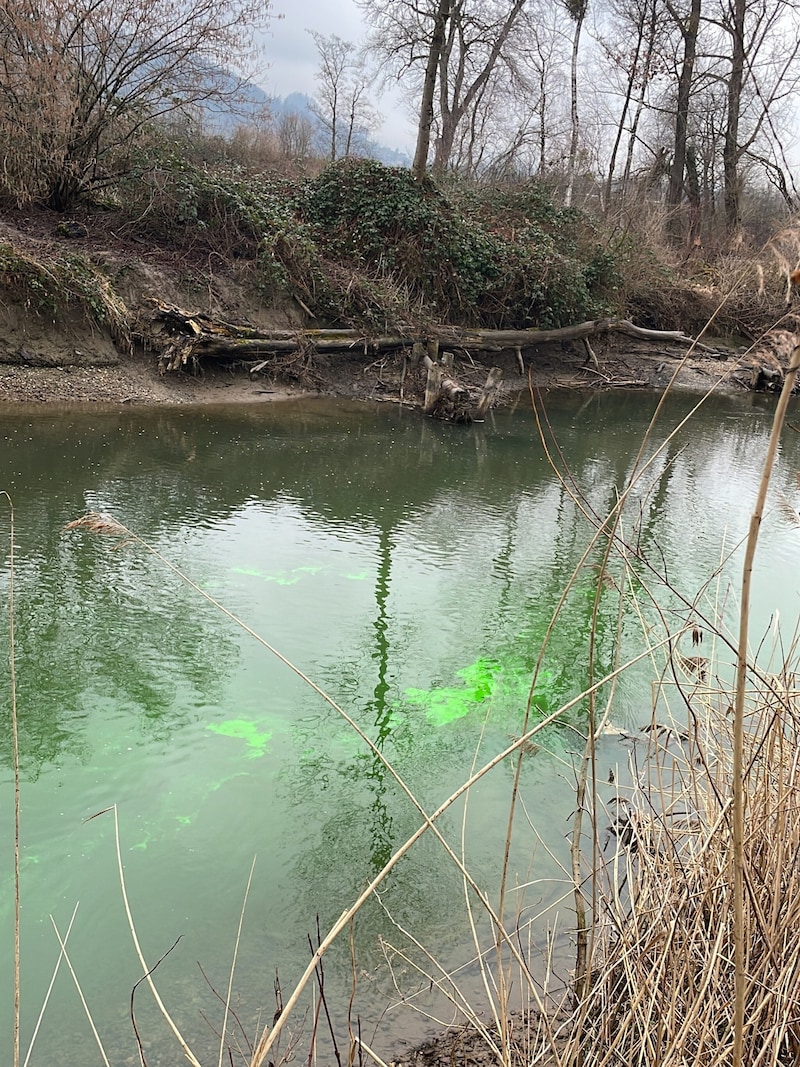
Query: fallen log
(499, 339)
(200, 337)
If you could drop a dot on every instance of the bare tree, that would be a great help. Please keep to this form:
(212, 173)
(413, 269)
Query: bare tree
(450, 50)
(80, 79)
(631, 51)
(336, 59)
(294, 133)
(577, 11)
(764, 42)
(737, 76)
(515, 119)
(688, 23)
(470, 56)
(341, 105)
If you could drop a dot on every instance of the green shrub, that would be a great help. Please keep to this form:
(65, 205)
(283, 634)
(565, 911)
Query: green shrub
(466, 256)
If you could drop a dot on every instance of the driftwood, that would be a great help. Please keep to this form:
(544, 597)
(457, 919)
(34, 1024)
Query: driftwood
(489, 394)
(768, 358)
(194, 337)
(444, 396)
(198, 337)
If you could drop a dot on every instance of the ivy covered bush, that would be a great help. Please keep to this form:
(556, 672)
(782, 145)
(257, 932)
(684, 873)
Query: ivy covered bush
(368, 245)
(504, 259)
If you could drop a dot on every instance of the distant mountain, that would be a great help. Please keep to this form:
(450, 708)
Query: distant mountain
(252, 103)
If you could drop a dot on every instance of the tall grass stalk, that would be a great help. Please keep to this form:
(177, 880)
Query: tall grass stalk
(46, 1000)
(739, 796)
(92, 1026)
(229, 992)
(15, 758)
(583, 977)
(663, 982)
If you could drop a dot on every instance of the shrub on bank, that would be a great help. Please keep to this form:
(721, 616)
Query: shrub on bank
(362, 243)
(452, 246)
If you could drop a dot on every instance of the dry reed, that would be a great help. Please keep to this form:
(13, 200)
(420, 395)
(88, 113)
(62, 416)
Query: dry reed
(663, 977)
(15, 759)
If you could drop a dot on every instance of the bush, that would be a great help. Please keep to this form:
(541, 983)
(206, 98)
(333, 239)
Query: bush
(464, 256)
(364, 244)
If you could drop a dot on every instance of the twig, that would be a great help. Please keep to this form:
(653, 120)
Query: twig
(133, 994)
(233, 962)
(322, 997)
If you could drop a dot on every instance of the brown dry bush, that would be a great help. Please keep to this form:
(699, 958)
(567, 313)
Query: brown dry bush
(662, 983)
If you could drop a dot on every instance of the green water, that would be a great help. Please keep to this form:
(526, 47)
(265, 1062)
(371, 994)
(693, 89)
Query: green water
(410, 569)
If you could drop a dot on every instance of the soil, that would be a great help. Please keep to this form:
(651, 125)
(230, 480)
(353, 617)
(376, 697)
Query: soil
(66, 359)
(74, 364)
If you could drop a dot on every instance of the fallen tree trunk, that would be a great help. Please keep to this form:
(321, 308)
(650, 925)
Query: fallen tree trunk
(200, 337)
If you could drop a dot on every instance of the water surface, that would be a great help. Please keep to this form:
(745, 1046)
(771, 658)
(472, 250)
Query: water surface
(410, 569)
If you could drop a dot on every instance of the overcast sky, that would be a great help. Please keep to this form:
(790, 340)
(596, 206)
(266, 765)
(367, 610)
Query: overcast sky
(292, 57)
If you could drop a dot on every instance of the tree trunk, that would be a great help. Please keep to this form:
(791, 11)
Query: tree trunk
(634, 102)
(455, 103)
(429, 91)
(578, 12)
(689, 29)
(334, 124)
(730, 151)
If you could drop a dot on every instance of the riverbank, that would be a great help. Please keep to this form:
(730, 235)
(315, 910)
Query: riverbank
(135, 379)
(80, 322)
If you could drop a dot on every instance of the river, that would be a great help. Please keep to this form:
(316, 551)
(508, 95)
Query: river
(408, 568)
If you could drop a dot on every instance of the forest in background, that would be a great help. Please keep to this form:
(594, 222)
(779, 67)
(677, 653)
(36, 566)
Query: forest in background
(636, 166)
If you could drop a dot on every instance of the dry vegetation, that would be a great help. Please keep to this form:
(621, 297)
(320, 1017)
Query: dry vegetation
(662, 988)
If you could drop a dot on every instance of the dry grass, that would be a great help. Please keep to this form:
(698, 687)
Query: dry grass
(52, 281)
(662, 989)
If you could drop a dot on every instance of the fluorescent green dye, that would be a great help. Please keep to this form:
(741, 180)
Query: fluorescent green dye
(291, 577)
(454, 702)
(507, 687)
(360, 577)
(256, 739)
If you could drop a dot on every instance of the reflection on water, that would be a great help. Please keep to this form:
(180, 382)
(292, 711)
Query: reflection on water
(411, 570)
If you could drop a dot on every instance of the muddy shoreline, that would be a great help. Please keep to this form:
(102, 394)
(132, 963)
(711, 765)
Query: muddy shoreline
(136, 380)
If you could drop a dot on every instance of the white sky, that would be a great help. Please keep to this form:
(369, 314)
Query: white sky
(291, 56)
